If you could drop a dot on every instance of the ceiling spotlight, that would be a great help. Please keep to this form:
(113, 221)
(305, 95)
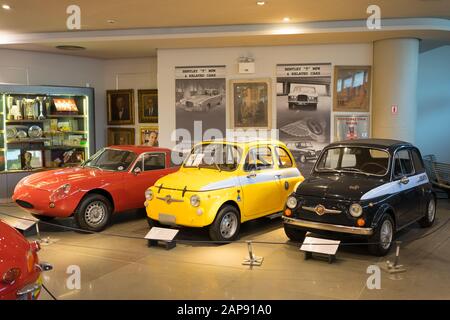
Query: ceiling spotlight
(6, 7)
(286, 19)
(260, 3)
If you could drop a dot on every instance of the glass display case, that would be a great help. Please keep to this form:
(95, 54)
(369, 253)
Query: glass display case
(45, 127)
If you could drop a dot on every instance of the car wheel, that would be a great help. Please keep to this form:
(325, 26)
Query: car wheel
(43, 218)
(94, 213)
(294, 234)
(302, 158)
(381, 241)
(153, 223)
(226, 225)
(430, 214)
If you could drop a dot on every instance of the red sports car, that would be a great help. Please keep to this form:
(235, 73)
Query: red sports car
(20, 270)
(112, 180)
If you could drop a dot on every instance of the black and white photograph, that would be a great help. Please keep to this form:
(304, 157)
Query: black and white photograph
(200, 96)
(304, 110)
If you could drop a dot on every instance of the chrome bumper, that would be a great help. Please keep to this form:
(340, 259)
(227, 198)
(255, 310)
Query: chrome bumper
(328, 227)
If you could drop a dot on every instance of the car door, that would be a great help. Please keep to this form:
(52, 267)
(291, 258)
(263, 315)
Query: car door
(149, 167)
(260, 184)
(287, 174)
(406, 201)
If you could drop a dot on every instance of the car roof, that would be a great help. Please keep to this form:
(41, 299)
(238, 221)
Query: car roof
(139, 149)
(376, 143)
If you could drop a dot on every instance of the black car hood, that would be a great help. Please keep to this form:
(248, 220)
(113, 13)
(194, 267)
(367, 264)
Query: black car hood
(338, 186)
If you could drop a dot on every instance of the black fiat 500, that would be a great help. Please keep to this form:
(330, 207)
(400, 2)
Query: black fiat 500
(368, 187)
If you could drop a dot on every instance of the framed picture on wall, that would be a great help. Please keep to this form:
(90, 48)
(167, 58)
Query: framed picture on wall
(148, 105)
(352, 88)
(351, 126)
(121, 136)
(120, 104)
(251, 105)
(149, 136)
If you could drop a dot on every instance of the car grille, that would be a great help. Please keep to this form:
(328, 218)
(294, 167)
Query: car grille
(302, 97)
(24, 204)
(342, 218)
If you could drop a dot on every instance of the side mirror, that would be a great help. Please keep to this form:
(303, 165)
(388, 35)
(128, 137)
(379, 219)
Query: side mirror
(251, 175)
(404, 180)
(137, 171)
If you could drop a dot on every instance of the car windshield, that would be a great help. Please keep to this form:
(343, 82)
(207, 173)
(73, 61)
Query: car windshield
(305, 89)
(361, 160)
(111, 159)
(218, 156)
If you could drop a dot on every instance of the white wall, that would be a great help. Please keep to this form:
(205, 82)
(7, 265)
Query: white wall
(130, 74)
(33, 68)
(266, 59)
(433, 99)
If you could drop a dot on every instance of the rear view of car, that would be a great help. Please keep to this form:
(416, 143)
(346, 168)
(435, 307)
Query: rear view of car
(20, 270)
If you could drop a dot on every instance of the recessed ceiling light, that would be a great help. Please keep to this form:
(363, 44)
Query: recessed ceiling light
(260, 3)
(111, 21)
(6, 7)
(286, 19)
(70, 47)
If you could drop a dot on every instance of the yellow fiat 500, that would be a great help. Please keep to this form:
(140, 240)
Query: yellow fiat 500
(222, 184)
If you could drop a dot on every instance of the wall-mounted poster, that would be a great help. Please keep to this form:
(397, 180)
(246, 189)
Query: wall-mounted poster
(349, 127)
(251, 105)
(351, 88)
(120, 106)
(120, 136)
(200, 101)
(149, 136)
(148, 106)
(304, 110)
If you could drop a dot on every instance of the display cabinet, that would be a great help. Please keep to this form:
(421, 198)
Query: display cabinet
(43, 128)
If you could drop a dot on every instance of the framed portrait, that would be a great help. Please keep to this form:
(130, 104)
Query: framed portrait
(251, 105)
(149, 136)
(148, 105)
(120, 105)
(351, 126)
(352, 88)
(121, 136)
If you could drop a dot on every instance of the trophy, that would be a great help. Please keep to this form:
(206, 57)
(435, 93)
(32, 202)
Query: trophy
(9, 103)
(16, 110)
(40, 100)
(29, 109)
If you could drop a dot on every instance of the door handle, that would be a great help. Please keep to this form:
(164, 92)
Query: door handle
(251, 175)
(404, 180)
(278, 176)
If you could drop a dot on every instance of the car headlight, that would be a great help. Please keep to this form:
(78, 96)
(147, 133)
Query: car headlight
(148, 194)
(195, 200)
(291, 202)
(60, 193)
(356, 210)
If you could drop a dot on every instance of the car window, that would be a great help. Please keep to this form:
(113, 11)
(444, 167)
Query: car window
(154, 161)
(283, 158)
(259, 158)
(403, 165)
(417, 160)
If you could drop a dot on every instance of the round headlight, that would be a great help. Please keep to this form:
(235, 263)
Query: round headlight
(148, 194)
(356, 210)
(195, 200)
(291, 202)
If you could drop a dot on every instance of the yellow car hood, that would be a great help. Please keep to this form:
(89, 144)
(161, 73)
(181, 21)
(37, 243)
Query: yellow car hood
(194, 179)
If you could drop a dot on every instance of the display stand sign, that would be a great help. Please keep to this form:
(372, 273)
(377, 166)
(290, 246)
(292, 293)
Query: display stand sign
(320, 246)
(162, 235)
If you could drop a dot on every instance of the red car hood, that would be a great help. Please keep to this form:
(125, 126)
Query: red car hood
(51, 180)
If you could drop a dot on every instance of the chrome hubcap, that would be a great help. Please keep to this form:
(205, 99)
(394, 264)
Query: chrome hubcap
(386, 234)
(431, 210)
(95, 213)
(228, 225)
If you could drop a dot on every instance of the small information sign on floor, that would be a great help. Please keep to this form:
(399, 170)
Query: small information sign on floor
(162, 235)
(320, 246)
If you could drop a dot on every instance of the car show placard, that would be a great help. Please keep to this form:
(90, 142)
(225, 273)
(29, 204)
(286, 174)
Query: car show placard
(304, 110)
(349, 127)
(200, 101)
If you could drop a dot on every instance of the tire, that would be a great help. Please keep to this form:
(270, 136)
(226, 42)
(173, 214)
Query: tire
(302, 158)
(294, 234)
(380, 242)
(153, 223)
(430, 216)
(87, 213)
(226, 225)
(43, 218)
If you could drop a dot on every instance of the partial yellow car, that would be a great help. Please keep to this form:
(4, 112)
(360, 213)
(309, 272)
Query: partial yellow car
(222, 184)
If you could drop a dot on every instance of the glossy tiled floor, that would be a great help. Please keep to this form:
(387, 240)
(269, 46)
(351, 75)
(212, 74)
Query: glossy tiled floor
(125, 268)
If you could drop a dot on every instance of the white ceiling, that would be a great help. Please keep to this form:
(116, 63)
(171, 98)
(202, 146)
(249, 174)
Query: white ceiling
(141, 26)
